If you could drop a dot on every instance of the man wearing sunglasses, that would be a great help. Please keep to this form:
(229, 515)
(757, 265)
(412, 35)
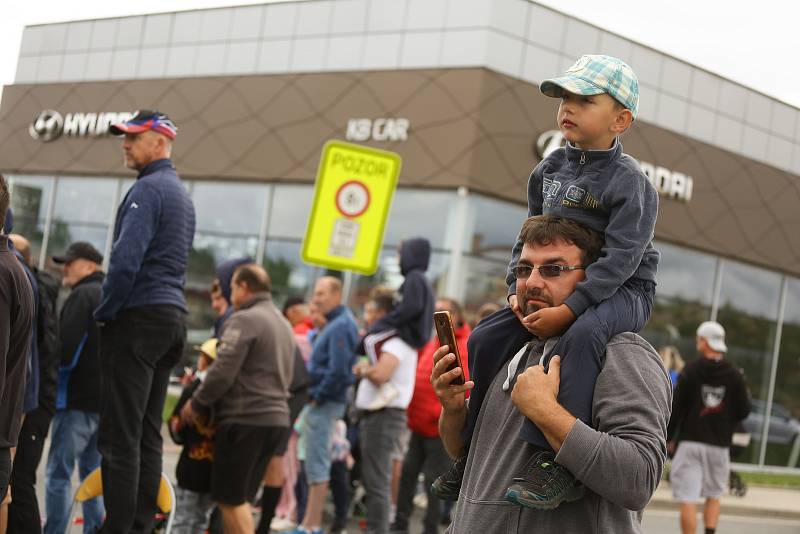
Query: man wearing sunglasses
(618, 456)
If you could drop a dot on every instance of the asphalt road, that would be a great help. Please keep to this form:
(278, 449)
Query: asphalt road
(666, 522)
(654, 522)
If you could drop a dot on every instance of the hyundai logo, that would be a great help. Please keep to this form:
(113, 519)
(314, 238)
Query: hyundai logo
(47, 126)
(548, 142)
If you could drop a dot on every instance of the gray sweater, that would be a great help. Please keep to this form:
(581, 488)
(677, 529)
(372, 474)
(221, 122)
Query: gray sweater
(619, 461)
(607, 191)
(249, 381)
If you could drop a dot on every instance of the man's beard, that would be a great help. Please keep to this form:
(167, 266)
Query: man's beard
(530, 307)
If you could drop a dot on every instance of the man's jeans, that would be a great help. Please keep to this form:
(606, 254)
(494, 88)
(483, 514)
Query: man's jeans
(378, 433)
(74, 439)
(138, 351)
(319, 421)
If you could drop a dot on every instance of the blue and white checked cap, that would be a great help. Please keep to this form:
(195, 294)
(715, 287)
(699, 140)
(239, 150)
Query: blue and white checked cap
(593, 75)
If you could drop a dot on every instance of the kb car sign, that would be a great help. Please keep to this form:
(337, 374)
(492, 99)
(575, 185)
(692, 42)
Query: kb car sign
(49, 125)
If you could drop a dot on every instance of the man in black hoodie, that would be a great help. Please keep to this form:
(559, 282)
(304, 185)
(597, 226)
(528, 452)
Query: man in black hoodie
(79, 392)
(710, 399)
(23, 512)
(16, 321)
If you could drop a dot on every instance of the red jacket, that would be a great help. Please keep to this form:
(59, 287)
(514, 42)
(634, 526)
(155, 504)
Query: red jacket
(303, 327)
(424, 410)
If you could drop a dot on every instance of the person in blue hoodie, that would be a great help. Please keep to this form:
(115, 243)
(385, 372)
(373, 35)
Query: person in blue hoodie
(412, 316)
(142, 314)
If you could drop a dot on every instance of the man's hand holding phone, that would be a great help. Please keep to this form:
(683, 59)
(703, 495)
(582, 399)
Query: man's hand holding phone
(445, 380)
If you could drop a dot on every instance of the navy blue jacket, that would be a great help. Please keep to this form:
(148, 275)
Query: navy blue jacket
(153, 234)
(412, 315)
(607, 191)
(333, 357)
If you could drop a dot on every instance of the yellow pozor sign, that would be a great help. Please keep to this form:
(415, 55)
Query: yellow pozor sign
(354, 191)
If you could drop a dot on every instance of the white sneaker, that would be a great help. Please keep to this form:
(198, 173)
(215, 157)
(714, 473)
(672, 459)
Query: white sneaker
(281, 523)
(385, 395)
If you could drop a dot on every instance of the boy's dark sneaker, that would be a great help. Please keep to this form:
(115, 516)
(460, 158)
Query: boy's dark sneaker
(448, 486)
(544, 484)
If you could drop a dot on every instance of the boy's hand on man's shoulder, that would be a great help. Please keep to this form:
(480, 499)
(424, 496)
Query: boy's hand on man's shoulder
(549, 322)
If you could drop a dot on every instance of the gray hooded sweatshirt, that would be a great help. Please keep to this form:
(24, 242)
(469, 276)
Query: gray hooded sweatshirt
(619, 459)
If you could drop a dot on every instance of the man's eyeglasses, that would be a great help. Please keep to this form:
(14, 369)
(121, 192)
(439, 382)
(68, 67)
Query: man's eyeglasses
(545, 271)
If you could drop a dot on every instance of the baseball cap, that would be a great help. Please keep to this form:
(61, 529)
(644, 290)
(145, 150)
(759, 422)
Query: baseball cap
(79, 250)
(209, 348)
(143, 120)
(593, 75)
(714, 335)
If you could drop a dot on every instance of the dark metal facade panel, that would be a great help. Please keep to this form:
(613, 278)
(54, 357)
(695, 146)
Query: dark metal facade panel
(468, 127)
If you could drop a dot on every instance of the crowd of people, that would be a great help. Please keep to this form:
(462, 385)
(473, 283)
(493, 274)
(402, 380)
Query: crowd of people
(559, 421)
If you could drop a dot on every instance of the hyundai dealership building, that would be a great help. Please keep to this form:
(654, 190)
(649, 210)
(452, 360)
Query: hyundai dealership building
(256, 91)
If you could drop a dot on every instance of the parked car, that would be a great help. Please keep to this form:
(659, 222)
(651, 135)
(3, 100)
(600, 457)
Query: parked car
(783, 428)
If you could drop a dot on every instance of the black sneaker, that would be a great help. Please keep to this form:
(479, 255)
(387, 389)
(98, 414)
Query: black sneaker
(544, 484)
(448, 486)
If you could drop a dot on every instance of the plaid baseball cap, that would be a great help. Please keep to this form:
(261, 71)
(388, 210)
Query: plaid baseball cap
(143, 120)
(593, 75)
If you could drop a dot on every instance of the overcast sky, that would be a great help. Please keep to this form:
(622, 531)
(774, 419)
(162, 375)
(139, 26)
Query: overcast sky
(753, 43)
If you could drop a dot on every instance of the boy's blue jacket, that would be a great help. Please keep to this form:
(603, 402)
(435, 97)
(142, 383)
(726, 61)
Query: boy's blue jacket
(607, 191)
(412, 316)
(333, 357)
(153, 234)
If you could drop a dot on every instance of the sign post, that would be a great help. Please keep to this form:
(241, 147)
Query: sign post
(353, 194)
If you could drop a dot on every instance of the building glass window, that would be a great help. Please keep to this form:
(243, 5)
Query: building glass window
(290, 208)
(405, 220)
(229, 218)
(684, 293)
(83, 211)
(783, 438)
(492, 227)
(484, 282)
(30, 200)
(748, 310)
(289, 274)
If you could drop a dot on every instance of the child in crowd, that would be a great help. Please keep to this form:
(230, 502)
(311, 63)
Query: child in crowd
(594, 182)
(193, 471)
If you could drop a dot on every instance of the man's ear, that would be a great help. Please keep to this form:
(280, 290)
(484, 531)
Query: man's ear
(622, 121)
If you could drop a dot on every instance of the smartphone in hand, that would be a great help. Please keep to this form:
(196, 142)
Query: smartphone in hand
(447, 336)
